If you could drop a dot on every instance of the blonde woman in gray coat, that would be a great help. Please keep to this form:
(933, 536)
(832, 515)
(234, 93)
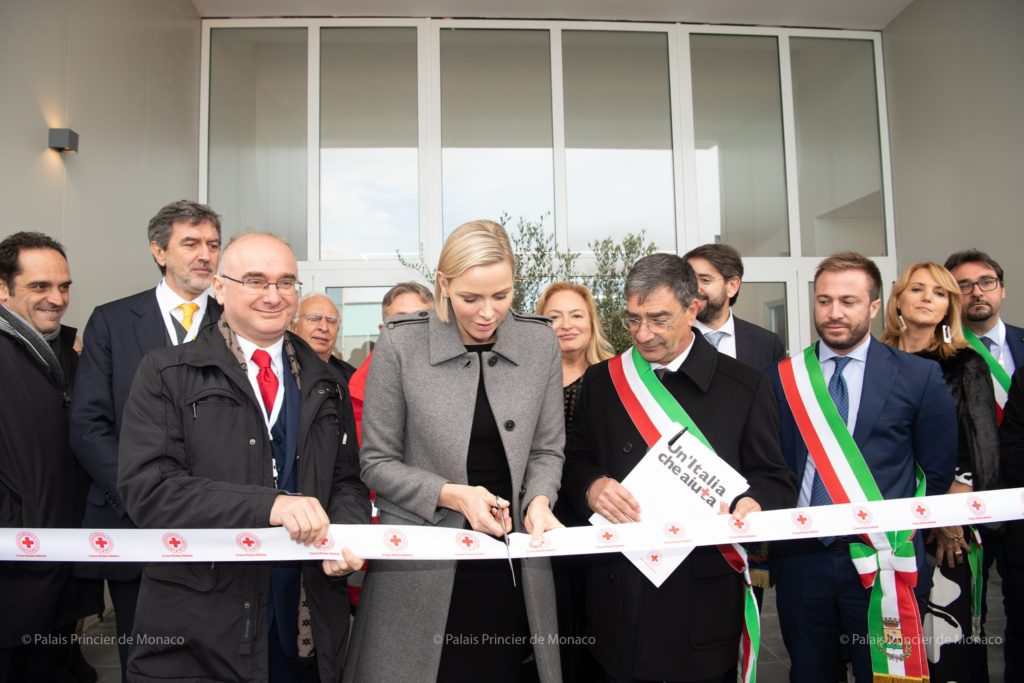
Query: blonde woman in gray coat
(463, 428)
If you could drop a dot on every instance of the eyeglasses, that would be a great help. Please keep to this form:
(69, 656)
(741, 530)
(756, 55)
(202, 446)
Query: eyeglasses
(315, 318)
(656, 325)
(708, 279)
(985, 284)
(261, 284)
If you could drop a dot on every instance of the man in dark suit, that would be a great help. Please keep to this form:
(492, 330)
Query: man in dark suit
(984, 289)
(184, 239)
(318, 322)
(981, 281)
(719, 270)
(689, 628)
(900, 414)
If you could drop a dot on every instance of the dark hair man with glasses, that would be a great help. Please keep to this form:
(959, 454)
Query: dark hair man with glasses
(242, 429)
(689, 628)
(184, 240)
(982, 284)
(318, 323)
(719, 270)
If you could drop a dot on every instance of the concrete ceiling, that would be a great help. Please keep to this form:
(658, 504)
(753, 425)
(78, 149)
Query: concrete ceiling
(848, 14)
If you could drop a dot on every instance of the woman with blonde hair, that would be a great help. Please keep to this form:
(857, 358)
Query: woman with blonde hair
(923, 317)
(461, 430)
(581, 339)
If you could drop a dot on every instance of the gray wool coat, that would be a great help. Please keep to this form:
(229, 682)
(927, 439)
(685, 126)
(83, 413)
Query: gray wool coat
(420, 399)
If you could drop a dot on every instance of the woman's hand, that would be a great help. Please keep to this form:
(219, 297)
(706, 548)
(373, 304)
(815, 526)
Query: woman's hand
(484, 510)
(539, 519)
(950, 545)
(345, 566)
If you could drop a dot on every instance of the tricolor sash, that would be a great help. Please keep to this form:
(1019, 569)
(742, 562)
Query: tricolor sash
(1000, 377)
(886, 562)
(653, 410)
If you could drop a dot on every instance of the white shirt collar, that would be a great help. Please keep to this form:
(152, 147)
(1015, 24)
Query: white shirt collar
(729, 326)
(274, 350)
(859, 352)
(167, 300)
(998, 333)
(674, 364)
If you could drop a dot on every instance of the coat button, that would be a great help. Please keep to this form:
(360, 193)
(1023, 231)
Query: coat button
(627, 447)
(492, 361)
(322, 391)
(509, 425)
(252, 442)
(423, 314)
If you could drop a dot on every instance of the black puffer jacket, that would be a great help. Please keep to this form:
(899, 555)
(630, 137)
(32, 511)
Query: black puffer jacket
(195, 453)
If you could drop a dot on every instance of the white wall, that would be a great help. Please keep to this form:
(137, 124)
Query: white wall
(124, 74)
(955, 82)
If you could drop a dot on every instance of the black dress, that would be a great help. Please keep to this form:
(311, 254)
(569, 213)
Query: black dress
(487, 634)
(953, 654)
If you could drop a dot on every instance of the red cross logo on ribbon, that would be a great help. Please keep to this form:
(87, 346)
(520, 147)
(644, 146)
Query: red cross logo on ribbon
(248, 541)
(27, 543)
(673, 530)
(327, 543)
(862, 516)
(921, 511)
(654, 558)
(395, 540)
(801, 519)
(467, 541)
(100, 542)
(175, 542)
(606, 536)
(977, 507)
(737, 524)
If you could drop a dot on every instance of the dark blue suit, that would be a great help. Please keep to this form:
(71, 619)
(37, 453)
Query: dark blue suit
(1015, 340)
(906, 416)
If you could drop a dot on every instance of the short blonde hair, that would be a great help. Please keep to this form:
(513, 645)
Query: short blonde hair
(472, 244)
(599, 348)
(952, 317)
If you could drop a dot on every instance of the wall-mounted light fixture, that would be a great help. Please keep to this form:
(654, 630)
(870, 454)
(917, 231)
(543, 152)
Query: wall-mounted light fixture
(63, 140)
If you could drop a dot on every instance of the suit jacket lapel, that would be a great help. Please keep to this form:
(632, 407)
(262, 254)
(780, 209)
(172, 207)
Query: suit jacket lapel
(149, 325)
(880, 375)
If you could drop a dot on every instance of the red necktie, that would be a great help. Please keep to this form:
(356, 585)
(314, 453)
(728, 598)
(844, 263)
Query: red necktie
(265, 379)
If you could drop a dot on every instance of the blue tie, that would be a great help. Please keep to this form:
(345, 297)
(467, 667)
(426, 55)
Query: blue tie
(841, 397)
(715, 337)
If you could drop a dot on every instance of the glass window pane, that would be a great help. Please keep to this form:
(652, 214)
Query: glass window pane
(257, 150)
(838, 149)
(360, 316)
(368, 143)
(764, 304)
(496, 125)
(618, 137)
(741, 169)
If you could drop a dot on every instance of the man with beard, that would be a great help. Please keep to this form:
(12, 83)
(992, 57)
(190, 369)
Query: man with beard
(184, 239)
(719, 271)
(901, 416)
(41, 485)
(981, 282)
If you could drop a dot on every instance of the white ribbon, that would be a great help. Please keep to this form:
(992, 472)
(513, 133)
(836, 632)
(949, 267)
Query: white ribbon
(662, 537)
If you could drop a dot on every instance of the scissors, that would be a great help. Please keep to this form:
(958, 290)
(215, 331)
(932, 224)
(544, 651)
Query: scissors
(504, 535)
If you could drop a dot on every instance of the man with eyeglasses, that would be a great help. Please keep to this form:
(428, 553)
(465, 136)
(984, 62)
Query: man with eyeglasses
(689, 628)
(318, 323)
(981, 282)
(184, 240)
(719, 270)
(242, 429)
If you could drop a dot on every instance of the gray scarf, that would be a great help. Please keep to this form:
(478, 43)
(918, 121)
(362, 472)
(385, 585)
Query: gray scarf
(17, 327)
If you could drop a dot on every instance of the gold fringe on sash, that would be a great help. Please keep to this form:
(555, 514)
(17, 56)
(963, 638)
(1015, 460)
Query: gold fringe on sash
(760, 578)
(890, 678)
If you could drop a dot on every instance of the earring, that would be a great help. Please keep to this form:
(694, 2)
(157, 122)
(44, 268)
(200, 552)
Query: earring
(947, 334)
(903, 323)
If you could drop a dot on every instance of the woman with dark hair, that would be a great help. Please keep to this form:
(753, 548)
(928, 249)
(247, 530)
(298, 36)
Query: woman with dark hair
(923, 318)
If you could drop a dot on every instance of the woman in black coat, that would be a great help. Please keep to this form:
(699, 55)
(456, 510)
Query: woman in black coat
(923, 318)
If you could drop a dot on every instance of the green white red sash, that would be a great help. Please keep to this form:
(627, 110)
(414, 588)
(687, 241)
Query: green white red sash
(886, 563)
(1000, 377)
(653, 409)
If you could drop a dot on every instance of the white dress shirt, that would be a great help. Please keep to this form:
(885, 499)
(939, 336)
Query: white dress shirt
(727, 344)
(276, 365)
(853, 373)
(168, 301)
(1000, 349)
